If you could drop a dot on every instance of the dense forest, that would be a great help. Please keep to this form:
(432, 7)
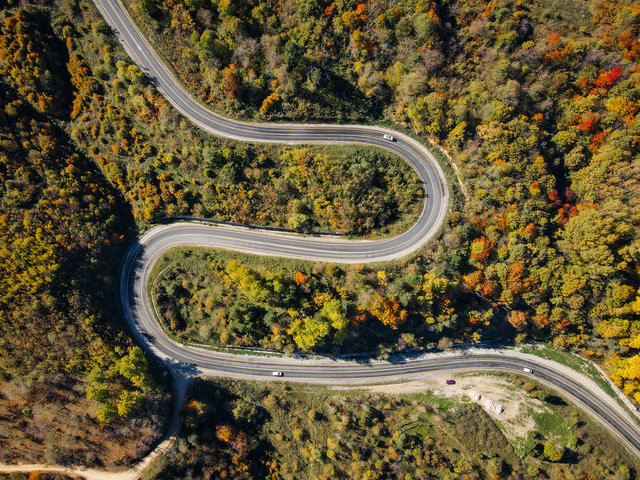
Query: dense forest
(72, 384)
(537, 104)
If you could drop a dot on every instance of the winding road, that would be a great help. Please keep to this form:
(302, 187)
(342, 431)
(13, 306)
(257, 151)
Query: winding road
(140, 259)
(420, 158)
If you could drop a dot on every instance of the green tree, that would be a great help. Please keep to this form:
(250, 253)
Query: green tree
(553, 452)
(135, 368)
(128, 401)
(424, 27)
(309, 332)
(107, 413)
(146, 6)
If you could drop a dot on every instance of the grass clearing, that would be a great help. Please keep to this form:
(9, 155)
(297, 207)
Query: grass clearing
(440, 401)
(559, 14)
(191, 258)
(554, 426)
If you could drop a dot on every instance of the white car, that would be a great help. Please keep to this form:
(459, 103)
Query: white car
(527, 370)
(277, 374)
(386, 136)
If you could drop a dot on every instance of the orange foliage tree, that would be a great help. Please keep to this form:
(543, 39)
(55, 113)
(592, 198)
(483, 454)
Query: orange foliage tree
(388, 311)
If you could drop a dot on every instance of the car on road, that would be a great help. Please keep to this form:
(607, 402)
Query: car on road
(277, 374)
(450, 382)
(527, 370)
(386, 136)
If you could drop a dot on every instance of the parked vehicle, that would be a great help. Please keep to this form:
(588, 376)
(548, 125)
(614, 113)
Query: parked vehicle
(450, 382)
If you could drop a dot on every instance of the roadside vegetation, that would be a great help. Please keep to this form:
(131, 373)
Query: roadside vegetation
(224, 298)
(235, 429)
(537, 104)
(163, 166)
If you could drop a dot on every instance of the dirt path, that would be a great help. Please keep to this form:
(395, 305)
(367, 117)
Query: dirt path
(453, 165)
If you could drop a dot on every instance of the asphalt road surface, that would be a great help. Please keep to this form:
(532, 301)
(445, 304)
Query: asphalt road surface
(142, 256)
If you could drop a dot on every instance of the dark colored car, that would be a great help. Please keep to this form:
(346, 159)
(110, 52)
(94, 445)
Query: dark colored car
(450, 382)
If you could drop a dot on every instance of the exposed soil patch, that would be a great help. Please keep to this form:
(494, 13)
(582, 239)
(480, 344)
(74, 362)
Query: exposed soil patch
(519, 407)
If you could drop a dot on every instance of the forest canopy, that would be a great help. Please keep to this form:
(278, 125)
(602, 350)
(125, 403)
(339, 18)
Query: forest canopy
(535, 102)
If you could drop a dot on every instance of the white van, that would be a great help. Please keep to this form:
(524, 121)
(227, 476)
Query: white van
(277, 374)
(527, 370)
